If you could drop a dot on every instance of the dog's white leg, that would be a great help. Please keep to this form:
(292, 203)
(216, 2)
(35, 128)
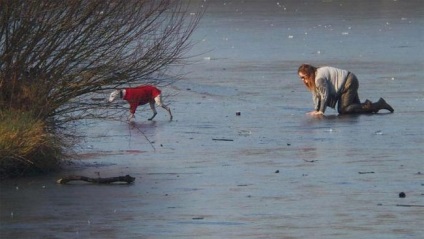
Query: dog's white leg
(131, 117)
(169, 111)
(152, 106)
(158, 100)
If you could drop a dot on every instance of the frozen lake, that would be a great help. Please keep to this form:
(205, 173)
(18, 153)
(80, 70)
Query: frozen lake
(272, 171)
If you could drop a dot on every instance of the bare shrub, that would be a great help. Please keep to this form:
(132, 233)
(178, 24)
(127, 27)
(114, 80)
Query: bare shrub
(53, 52)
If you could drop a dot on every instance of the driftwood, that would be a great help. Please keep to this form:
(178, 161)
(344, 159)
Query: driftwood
(223, 139)
(365, 172)
(126, 179)
(409, 205)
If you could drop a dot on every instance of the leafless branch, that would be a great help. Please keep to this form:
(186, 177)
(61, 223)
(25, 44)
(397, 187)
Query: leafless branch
(54, 54)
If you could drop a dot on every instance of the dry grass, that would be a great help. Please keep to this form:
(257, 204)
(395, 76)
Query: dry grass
(25, 145)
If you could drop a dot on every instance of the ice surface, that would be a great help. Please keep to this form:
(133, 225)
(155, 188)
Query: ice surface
(191, 186)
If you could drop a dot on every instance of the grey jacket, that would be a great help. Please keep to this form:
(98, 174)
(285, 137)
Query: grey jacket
(329, 83)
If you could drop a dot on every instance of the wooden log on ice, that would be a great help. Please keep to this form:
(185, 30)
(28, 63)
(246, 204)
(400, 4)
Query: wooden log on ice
(409, 205)
(121, 179)
(215, 139)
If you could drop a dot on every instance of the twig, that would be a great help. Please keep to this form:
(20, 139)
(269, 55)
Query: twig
(223, 139)
(409, 205)
(365, 172)
(127, 179)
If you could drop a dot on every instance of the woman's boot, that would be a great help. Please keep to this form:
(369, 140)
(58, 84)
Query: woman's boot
(382, 104)
(368, 107)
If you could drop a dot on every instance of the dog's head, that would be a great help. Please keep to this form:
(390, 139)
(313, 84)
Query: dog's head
(114, 95)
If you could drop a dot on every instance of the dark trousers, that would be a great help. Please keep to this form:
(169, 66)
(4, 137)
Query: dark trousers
(349, 99)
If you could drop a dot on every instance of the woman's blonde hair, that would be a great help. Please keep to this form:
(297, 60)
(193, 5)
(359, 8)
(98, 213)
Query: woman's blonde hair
(309, 72)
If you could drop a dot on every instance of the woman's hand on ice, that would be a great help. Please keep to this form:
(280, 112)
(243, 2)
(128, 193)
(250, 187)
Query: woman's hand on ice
(316, 113)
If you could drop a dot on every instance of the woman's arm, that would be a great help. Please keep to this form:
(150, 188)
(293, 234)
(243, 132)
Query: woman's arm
(323, 92)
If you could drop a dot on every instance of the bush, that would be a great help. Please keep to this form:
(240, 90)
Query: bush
(55, 54)
(26, 146)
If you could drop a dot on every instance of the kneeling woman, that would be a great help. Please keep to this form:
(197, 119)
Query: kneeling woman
(330, 85)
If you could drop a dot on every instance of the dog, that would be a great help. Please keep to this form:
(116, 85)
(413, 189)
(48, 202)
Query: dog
(141, 95)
